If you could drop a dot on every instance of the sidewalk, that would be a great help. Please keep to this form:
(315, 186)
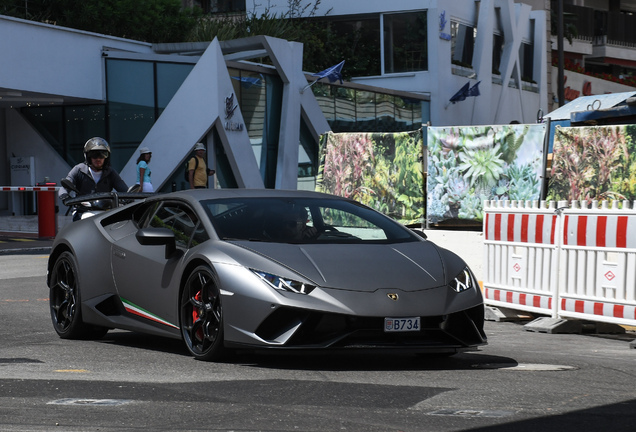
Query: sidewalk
(19, 244)
(19, 234)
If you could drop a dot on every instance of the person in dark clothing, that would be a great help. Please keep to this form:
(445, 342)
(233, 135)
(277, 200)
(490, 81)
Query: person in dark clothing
(94, 174)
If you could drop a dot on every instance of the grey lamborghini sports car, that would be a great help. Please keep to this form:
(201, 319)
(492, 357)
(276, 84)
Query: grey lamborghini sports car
(230, 269)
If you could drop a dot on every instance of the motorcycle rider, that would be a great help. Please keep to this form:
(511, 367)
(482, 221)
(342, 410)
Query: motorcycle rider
(94, 174)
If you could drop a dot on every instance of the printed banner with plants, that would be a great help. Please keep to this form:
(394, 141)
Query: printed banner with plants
(470, 164)
(381, 170)
(594, 163)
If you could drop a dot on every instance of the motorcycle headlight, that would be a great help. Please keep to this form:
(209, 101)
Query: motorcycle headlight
(103, 204)
(284, 284)
(463, 281)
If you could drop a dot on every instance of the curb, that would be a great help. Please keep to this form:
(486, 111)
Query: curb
(19, 251)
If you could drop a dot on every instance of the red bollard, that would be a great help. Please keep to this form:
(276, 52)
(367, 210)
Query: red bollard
(47, 221)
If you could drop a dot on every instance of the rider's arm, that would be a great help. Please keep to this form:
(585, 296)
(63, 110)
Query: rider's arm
(72, 176)
(118, 184)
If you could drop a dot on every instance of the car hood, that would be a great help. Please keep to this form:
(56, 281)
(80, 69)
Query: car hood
(409, 266)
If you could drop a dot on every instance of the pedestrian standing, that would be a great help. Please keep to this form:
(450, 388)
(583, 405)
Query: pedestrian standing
(143, 170)
(198, 171)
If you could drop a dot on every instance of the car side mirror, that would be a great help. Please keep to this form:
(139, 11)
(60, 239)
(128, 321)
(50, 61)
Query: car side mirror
(158, 237)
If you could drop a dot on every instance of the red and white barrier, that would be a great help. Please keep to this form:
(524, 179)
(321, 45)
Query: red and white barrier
(598, 259)
(575, 262)
(521, 261)
(29, 188)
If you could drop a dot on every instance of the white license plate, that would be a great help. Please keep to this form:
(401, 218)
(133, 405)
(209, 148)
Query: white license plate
(402, 324)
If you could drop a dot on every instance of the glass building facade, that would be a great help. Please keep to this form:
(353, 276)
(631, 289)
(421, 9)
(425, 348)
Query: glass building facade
(139, 90)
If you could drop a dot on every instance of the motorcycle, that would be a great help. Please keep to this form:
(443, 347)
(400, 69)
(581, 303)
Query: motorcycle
(96, 203)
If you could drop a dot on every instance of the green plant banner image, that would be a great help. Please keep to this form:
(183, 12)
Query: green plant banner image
(470, 164)
(381, 170)
(593, 163)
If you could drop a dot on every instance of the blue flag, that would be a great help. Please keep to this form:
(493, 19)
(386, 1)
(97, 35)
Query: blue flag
(465, 91)
(474, 90)
(333, 73)
(461, 94)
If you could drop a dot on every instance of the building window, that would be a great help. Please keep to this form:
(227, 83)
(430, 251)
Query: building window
(307, 159)
(130, 86)
(359, 43)
(67, 128)
(254, 92)
(350, 110)
(365, 110)
(526, 56)
(170, 76)
(497, 52)
(462, 44)
(81, 123)
(405, 42)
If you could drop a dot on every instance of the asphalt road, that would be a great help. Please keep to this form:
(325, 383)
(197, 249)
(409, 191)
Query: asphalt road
(521, 381)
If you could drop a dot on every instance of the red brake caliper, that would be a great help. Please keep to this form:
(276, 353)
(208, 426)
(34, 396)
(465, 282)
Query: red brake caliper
(195, 316)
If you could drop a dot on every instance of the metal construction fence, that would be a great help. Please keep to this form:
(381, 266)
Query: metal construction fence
(574, 261)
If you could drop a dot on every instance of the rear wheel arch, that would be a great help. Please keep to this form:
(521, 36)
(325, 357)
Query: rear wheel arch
(53, 256)
(65, 301)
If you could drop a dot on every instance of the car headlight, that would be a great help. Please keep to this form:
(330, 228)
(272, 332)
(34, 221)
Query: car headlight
(463, 281)
(284, 284)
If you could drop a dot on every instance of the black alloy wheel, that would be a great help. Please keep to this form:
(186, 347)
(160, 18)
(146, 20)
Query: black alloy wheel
(202, 316)
(65, 303)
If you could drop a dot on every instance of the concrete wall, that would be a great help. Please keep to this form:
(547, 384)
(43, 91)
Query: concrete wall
(578, 84)
(41, 61)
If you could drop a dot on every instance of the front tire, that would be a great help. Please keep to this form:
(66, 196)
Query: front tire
(201, 315)
(65, 301)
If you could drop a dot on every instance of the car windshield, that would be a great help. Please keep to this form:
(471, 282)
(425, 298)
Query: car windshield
(302, 220)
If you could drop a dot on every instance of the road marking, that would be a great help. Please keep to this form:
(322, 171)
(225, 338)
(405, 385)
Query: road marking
(92, 402)
(22, 300)
(72, 370)
(524, 366)
(471, 413)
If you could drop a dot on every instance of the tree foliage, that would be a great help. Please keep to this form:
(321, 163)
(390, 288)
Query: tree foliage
(324, 43)
(143, 20)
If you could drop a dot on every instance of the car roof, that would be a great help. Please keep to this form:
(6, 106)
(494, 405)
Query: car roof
(204, 194)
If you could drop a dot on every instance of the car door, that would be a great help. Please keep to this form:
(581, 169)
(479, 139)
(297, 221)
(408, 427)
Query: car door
(147, 281)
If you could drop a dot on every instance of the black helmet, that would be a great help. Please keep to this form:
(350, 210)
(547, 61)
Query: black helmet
(96, 144)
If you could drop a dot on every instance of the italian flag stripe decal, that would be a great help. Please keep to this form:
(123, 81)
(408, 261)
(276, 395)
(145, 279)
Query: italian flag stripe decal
(134, 309)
